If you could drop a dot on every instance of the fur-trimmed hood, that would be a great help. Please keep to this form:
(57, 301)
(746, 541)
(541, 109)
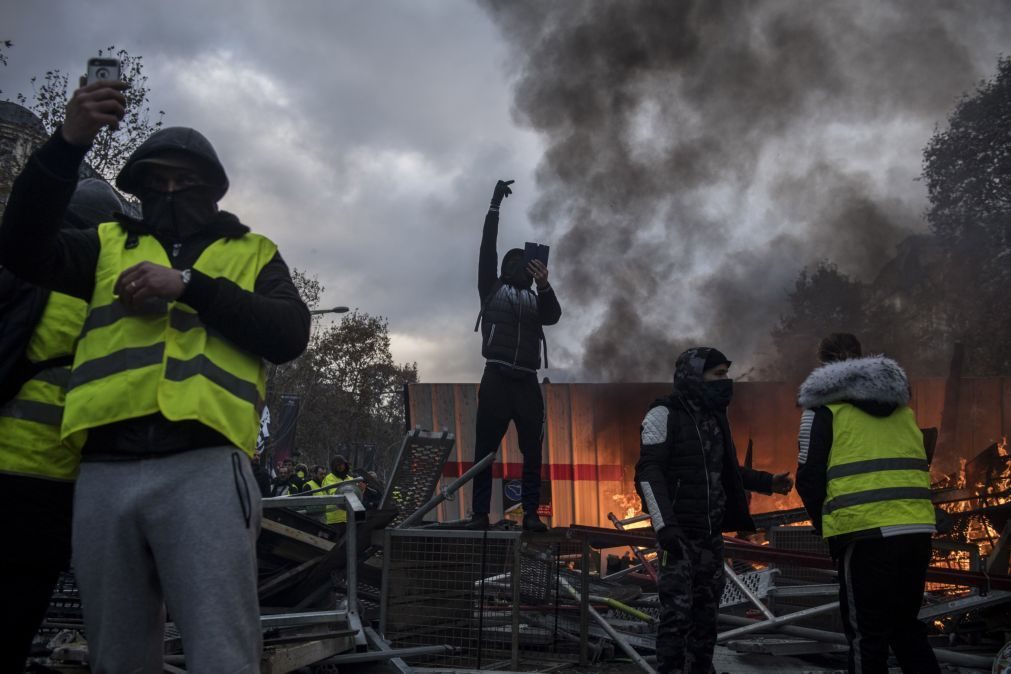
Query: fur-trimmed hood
(875, 380)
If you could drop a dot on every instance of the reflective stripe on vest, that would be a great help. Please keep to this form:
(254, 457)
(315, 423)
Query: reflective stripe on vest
(30, 441)
(163, 359)
(877, 474)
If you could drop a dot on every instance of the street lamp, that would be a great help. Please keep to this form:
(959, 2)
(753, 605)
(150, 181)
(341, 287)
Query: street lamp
(335, 310)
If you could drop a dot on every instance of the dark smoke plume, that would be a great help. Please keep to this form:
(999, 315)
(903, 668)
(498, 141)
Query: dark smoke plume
(698, 154)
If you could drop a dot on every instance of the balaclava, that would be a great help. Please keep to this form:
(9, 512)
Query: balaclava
(711, 395)
(183, 213)
(513, 272)
(178, 215)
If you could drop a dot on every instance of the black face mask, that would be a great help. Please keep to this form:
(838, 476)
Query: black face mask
(179, 214)
(716, 395)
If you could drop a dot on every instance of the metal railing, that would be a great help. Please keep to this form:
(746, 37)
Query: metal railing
(346, 616)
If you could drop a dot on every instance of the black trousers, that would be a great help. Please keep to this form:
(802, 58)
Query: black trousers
(880, 593)
(691, 585)
(36, 529)
(504, 397)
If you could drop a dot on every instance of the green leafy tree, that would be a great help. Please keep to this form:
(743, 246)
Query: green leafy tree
(111, 148)
(351, 389)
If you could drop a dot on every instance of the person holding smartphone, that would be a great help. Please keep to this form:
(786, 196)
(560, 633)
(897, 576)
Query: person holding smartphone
(184, 307)
(512, 320)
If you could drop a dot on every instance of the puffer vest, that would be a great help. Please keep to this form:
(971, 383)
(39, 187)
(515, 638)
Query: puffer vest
(687, 473)
(511, 332)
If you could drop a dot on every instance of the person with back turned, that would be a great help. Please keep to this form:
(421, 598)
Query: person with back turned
(512, 321)
(185, 306)
(864, 478)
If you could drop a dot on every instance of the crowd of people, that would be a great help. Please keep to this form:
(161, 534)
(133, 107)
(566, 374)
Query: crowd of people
(297, 479)
(135, 426)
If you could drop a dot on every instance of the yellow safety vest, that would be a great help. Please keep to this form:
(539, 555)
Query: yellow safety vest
(30, 422)
(334, 515)
(878, 476)
(130, 365)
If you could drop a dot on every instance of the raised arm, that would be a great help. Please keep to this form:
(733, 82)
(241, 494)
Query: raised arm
(32, 245)
(487, 265)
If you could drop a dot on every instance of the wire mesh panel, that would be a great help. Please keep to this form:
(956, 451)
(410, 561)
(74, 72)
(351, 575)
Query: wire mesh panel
(457, 588)
(436, 585)
(417, 472)
(798, 539)
(756, 581)
(803, 539)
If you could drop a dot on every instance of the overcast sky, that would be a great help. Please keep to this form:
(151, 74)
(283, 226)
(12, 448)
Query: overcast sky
(365, 139)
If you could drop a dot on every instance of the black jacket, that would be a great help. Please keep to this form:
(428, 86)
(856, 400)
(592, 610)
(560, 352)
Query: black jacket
(271, 322)
(512, 318)
(672, 473)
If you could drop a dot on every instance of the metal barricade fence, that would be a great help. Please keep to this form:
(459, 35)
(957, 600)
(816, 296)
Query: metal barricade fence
(494, 596)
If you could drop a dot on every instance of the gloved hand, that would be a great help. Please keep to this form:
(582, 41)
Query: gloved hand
(501, 191)
(669, 539)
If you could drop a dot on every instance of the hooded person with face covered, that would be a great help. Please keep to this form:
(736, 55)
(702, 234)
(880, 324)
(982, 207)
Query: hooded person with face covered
(693, 487)
(512, 321)
(184, 306)
(37, 467)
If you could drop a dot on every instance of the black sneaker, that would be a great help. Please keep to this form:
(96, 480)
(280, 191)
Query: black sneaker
(478, 521)
(533, 523)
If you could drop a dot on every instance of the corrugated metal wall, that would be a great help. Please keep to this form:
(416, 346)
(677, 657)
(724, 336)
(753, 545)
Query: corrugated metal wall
(591, 438)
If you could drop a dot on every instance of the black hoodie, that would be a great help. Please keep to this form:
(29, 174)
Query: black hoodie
(271, 322)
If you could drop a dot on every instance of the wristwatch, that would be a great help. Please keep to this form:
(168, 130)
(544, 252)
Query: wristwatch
(186, 275)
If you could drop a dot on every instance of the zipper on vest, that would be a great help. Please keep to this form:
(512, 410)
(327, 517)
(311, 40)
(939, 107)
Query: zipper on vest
(519, 329)
(491, 335)
(176, 247)
(705, 467)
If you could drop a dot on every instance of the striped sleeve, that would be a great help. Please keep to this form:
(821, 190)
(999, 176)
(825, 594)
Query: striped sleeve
(804, 439)
(650, 471)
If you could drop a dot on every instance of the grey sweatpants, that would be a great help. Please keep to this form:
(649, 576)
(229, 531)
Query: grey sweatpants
(179, 532)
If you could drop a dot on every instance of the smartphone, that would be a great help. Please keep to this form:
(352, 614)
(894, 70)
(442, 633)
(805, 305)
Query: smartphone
(535, 251)
(102, 68)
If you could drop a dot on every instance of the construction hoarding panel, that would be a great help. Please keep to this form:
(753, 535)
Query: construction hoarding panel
(591, 437)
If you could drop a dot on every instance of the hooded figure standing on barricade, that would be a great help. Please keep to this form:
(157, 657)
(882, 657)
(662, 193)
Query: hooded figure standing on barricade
(37, 467)
(512, 321)
(185, 306)
(693, 487)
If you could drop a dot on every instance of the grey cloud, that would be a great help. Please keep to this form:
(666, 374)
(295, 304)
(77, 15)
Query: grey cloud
(751, 163)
